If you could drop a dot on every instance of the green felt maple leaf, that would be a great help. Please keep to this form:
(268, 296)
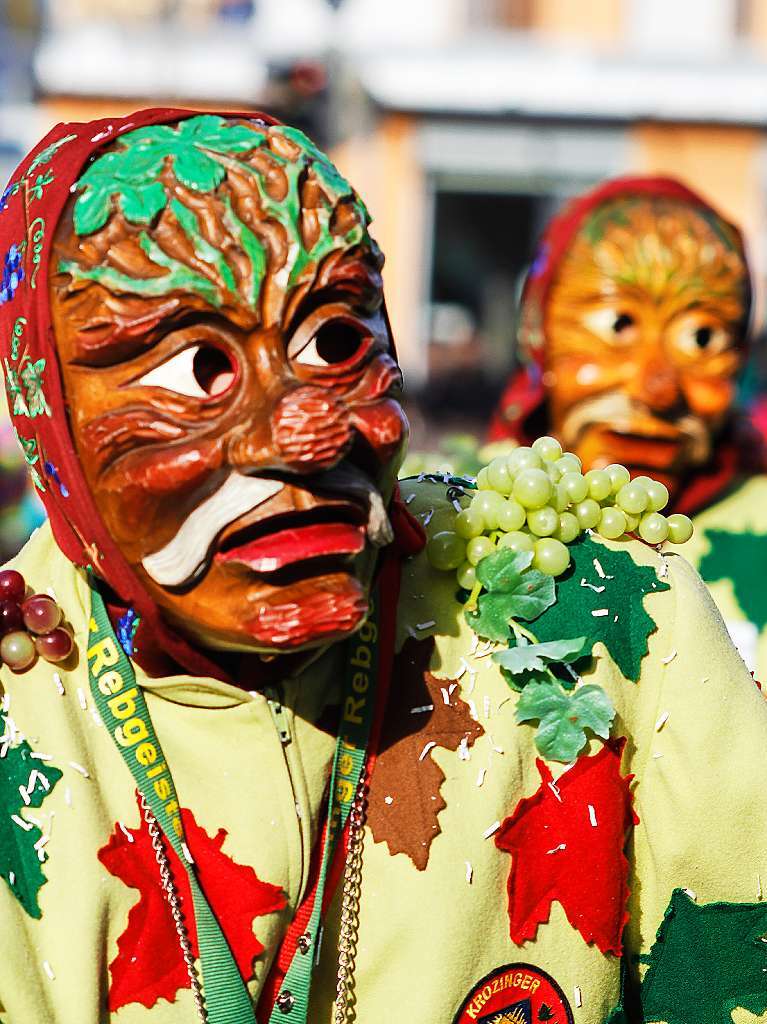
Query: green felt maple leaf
(564, 717)
(706, 961)
(514, 591)
(742, 558)
(601, 597)
(20, 864)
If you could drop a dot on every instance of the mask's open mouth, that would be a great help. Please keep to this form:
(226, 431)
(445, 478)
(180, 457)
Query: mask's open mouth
(326, 531)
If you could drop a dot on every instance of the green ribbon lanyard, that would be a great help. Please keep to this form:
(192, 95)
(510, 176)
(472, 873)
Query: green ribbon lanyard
(124, 711)
(357, 713)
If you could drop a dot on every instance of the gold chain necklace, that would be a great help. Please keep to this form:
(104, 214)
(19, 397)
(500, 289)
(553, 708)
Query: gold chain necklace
(350, 900)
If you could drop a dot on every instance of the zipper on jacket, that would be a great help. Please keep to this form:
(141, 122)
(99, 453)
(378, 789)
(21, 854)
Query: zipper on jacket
(280, 719)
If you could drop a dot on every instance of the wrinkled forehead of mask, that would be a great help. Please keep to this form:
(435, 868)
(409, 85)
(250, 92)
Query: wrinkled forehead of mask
(237, 216)
(659, 245)
(646, 225)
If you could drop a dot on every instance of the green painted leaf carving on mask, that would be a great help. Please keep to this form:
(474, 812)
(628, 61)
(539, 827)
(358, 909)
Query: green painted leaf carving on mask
(22, 845)
(201, 152)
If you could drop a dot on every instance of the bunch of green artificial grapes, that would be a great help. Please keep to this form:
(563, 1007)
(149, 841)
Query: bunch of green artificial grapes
(536, 499)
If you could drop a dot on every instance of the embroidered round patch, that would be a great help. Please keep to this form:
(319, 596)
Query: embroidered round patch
(515, 994)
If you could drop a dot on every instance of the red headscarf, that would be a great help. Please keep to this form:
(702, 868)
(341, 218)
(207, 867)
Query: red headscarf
(521, 413)
(30, 208)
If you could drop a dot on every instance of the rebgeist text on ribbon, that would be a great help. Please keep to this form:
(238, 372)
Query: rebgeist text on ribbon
(356, 712)
(129, 728)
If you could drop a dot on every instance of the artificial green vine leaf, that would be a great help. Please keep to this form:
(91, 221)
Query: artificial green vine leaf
(601, 597)
(535, 657)
(514, 591)
(564, 717)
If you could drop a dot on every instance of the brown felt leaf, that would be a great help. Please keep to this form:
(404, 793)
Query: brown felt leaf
(404, 800)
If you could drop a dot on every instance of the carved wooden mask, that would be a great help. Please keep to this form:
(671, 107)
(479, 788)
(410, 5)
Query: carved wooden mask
(228, 368)
(643, 323)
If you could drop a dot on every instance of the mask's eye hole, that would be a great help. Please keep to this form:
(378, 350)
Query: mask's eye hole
(703, 337)
(334, 342)
(200, 371)
(622, 323)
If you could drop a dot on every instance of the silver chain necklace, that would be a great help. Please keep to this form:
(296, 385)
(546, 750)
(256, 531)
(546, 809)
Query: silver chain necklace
(350, 900)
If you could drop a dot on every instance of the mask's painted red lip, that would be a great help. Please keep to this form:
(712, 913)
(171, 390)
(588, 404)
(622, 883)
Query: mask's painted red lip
(275, 551)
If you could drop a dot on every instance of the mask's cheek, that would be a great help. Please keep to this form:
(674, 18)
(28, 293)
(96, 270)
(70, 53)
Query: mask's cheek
(574, 378)
(145, 498)
(709, 397)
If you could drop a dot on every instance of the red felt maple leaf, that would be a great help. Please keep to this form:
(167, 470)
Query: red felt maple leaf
(149, 964)
(567, 843)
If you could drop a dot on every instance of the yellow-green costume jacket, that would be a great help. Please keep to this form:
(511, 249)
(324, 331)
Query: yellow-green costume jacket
(495, 885)
(729, 550)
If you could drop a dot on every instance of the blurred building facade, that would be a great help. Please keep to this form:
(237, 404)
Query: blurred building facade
(464, 123)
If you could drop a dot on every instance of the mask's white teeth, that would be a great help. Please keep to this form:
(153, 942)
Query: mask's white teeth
(379, 529)
(184, 555)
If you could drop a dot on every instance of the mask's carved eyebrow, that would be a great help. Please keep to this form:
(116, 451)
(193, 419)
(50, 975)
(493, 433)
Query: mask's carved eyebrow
(119, 330)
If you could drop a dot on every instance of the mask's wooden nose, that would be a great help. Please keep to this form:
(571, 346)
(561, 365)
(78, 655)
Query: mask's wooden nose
(311, 428)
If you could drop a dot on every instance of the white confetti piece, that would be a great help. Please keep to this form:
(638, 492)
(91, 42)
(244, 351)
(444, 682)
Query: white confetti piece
(592, 586)
(668, 659)
(657, 755)
(12, 877)
(431, 744)
(96, 717)
(663, 569)
(24, 795)
(592, 816)
(49, 970)
(473, 710)
(421, 709)
(187, 854)
(556, 849)
(492, 830)
(40, 848)
(481, 776)
(599, 569)
(599, 612)
(691, 894)
(26, 825)
(463, 749)
(486, 705)
(427, 517)
(457, 505)
(705, 679)
(6, 702)
(452, 688)
(126, 832)
(59, 684)
(389, 800)
(426, 625)
(445, 695)
(81, 698)
(36, 755)
(410, 498)
(79, 768)
(469, 872)
(555, 791)
(758, 886)
(463, 669)
(68, 796)
(472, 681)
(661, 721)
(578, 995)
